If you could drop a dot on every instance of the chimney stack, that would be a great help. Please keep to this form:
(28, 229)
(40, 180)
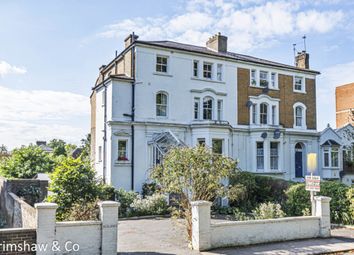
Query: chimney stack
(217, 43)
(302, 60)
(130, 39)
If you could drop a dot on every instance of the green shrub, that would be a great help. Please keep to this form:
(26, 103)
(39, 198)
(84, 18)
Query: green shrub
(106, 192)
(87, 211)
(298, 200)
(340, 204)
(268, 211)
(241, 216)
(151, 205)
(257, 189)
(125, 198)
(350, 197)
(30, 194)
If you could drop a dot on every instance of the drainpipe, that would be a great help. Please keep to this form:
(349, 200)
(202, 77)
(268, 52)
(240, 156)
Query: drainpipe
(105, 134)
(133, 110)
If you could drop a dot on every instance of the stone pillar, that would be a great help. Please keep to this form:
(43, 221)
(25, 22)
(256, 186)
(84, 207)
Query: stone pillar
(109, 218)
(45, 221)
(323, 211)
(201, 225)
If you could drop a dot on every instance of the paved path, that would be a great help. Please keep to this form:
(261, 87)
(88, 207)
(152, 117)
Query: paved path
(165, 236)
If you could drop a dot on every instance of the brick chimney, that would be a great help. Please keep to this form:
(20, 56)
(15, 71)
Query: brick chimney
(130, 39)
(302, 60)
(217, 43)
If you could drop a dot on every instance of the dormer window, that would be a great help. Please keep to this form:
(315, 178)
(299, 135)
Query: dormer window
(263, 79)
(161, 64)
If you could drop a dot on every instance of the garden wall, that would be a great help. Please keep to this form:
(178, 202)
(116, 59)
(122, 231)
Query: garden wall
(78, 237)
(207, 235)
(18, 213)
(16, 237)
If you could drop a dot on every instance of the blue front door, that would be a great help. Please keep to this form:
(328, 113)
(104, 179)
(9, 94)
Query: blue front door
(298, 161)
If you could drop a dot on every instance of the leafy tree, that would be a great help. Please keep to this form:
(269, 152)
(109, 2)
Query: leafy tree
(26, 162)
(86, 147)
(74, 183)
(4, 154)
(194, 174)
(58, 147)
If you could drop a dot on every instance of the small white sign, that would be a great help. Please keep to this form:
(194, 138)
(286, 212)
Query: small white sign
(313, 183)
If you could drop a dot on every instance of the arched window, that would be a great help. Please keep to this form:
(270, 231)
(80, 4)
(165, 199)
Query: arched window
(299, 115)
(263, 113)
(161, 104)
(208, 108)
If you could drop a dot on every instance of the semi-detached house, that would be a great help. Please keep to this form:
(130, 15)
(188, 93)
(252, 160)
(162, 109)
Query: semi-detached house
(158, 94)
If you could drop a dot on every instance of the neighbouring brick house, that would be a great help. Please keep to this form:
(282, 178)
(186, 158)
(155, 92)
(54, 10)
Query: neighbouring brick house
(345, 105)
(157, 94)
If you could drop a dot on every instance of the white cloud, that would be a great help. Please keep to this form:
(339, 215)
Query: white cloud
(321, 22)
(6, 68)
(27, 115)
(247, 26)
(327, 82)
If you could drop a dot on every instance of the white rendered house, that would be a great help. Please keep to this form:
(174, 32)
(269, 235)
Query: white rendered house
(157, 94)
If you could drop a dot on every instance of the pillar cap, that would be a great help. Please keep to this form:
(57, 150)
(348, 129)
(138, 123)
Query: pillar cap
(109, 204)
(46, 206)
(201, 203)
(322, 198)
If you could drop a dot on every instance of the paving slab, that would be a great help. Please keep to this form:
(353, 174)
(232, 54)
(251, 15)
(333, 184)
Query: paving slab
(166, 236)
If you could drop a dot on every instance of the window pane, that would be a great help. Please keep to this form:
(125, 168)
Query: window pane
(195, 68)
(196, 108)
(263, 79)
(217, 146)
(219, 72)
(254, 113)
(273, 115)
(208, 109)
(260, 155)
(219, 109)
(253, 78)
(298, 83)
(161, 105)
(122, 150)
(263, 113)
(274, 156)
(326, 158)
(334, 157)
(161, 64)
(207, 70)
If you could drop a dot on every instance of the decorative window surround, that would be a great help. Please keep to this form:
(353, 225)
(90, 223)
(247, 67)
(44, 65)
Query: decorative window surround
(304, 109)
(270, 102)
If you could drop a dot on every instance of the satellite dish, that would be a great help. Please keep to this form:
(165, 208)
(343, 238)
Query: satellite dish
(249, 103)
(277, 133)
(264, 135)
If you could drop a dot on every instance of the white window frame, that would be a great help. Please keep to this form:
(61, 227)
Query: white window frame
(254, 114)
(219, 72)
(256, 102)
(222, 145)
(260, 156)
(274, 82)
(196, 111)
(271, 156)
(261, 114)
(157, 105)
(266, 80)
(303, 89)
(220, 105)
(126, 150)
(195, 75)
(208, 71)
(253, 78)
(161, 64)
(211, 108)
(330, 150)
(304, 109)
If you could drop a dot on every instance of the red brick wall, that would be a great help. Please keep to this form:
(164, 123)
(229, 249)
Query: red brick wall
(344, 102)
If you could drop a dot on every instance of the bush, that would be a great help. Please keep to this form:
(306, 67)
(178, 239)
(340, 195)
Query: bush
(258, 189)
(298, 200)
(73, 182)
(268, 211)
(340, 204)
(30, 194)
(350, 197)
(125, 198)
(106, 192)
(151, 205)
(87, 211)
(149, 189)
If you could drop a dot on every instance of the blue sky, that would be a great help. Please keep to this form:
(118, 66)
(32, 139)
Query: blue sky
(50, 51)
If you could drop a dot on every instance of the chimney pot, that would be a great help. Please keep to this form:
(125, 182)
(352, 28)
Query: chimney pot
(217, 43)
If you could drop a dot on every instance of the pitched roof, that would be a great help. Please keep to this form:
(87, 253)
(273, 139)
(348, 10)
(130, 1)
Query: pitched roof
(230, 55)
